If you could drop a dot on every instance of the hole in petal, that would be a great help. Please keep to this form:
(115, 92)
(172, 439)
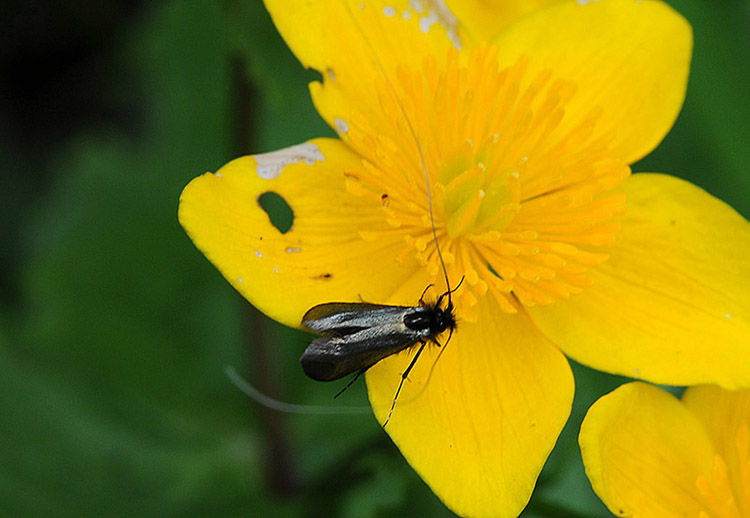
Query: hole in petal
(280, 214)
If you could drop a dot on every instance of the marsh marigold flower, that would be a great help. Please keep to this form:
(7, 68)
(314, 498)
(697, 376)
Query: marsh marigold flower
(525, 116)
(650, 455)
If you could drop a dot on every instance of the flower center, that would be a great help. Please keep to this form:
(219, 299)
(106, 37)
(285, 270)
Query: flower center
(520, 188)
(473, 199)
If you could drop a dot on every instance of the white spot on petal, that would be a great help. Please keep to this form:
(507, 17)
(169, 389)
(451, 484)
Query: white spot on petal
(341, 126)
(331, 74)
(437, 12)
(218, 175)
(257, 253)
(292, 250)
(239, 280)
(584, 2)
(728, 315)
(427, 21)
(275, 270)
(406, 15)
(389, 10)
(270, 165)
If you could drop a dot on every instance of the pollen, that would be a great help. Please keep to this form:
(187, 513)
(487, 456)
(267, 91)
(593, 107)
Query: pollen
(520, 190)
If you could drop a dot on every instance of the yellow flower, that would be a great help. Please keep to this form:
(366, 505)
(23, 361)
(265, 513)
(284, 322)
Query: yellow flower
(526, 128)
(648, 454)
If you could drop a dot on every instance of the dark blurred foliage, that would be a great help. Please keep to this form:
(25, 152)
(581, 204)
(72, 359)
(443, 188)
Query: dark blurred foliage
(114, 330)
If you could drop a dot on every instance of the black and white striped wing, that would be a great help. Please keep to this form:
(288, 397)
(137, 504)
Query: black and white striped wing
(355, 336)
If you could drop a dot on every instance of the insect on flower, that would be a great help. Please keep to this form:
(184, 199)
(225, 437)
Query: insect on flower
(355, 336)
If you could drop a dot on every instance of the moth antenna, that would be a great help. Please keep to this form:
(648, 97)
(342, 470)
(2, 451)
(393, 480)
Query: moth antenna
(413, 133)
(288, 408)
(403, 378)
(429, 205)
(450, 304)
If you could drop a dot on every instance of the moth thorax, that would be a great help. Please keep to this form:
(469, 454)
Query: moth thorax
(428, 320)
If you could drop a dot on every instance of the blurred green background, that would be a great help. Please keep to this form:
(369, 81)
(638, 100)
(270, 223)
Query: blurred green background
(115, 331)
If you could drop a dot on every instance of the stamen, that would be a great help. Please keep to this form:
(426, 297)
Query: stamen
(742, 477)
(719, 500)
(726, 492)
(522, 197)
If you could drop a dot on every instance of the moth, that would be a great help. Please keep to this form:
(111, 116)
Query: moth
(356, 336)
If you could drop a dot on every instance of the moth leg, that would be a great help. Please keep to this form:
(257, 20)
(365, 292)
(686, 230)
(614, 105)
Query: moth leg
(421, 299)
(403, 377)
(351, 382)
(448, 293)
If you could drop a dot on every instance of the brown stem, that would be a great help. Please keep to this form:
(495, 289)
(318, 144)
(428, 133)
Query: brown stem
(279, 463)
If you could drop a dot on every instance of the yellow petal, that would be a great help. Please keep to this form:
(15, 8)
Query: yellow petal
(672, 303)
(479, 429)
(628, 58)
(643, 452)
(722, 412)
(357, 46)
(725, 415)
(484, 19)
(321, 258)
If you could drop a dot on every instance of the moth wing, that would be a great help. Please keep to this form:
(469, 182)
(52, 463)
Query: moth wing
(335, 317)
(332, 356)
